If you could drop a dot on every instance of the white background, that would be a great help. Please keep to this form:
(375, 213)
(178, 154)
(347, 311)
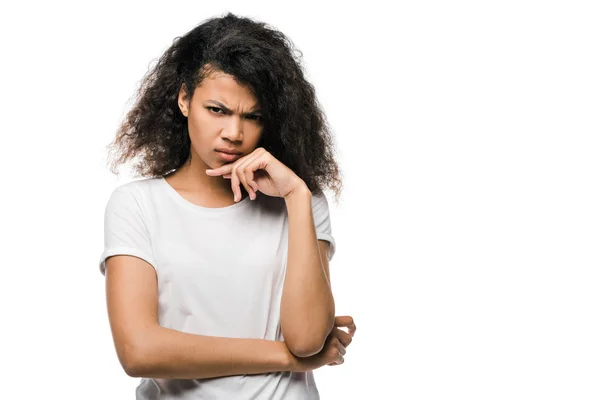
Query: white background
(468, 232)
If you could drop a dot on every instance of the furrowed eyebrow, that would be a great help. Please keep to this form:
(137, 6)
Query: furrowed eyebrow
(227, 110)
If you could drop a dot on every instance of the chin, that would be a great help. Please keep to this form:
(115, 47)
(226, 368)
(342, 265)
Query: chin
(210, 161)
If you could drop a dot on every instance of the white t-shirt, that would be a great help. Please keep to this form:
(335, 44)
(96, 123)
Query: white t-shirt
(220, 273)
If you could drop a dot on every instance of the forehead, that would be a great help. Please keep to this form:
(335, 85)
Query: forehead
(223, 87)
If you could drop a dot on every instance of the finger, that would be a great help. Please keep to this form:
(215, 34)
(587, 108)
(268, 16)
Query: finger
(235, 185)
(342, 336)
(351, 329)
(249, 172)
(242, 173)
(343, 320)
(346, 321)
(242, 179)
(223, 169)
(249, 168)
(341, 349)
(239, 176)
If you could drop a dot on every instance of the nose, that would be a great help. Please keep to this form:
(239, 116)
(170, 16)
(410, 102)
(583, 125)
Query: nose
(233, 129)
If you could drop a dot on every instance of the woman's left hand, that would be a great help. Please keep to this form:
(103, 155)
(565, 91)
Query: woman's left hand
(345, 338)
(259, 171)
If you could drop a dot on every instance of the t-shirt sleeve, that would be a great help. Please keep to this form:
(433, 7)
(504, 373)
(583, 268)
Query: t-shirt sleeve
(125, 230)
(320, 209)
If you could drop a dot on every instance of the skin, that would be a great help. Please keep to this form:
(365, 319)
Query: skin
(210, 128)
(223, 113)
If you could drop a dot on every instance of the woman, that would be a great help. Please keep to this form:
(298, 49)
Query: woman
(217, 263)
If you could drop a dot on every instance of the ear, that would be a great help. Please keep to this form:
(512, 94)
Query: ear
(182, 101)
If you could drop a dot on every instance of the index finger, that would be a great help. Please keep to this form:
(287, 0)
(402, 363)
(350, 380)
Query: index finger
(223, 169)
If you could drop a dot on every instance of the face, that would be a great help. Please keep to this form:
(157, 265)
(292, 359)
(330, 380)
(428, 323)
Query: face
(222, 115)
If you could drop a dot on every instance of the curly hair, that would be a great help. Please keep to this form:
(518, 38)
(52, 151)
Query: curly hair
(295, 129)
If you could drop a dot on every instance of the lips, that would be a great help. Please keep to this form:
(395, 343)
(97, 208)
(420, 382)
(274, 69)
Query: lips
(228, 151)
(228, 156)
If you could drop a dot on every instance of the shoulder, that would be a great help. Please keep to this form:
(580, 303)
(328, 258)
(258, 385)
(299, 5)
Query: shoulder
(318, 195)
(319, 200)
(132, 195)
(137, 188)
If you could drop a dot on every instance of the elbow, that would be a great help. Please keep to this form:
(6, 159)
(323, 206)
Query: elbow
(131, 363)
(131, 372)
(306, 345)
(306, 348)
(310, 340)
(132, 369)
(134, 360)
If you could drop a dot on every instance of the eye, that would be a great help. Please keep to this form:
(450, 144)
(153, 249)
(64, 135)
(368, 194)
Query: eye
(215, 110)
(254, 117)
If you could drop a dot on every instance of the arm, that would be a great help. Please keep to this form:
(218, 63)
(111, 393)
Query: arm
(307, 304)
(145, 349)
(170, 354)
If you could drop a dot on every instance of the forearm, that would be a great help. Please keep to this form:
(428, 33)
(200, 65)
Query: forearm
(307, 304)
(171, 354)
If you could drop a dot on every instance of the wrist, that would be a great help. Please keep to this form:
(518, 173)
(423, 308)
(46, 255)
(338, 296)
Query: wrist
(289, 361)
(299, 191)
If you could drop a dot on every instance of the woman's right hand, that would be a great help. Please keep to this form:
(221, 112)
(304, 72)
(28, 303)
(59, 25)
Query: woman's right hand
(332, 354)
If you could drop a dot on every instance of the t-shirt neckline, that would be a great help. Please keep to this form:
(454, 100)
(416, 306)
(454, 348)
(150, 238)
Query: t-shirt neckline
(178, 198)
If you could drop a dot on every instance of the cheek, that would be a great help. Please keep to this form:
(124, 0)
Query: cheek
(197, 124)
(255, 134)
(202, 129)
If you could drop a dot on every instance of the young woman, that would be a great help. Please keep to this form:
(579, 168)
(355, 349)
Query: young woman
(217, 262)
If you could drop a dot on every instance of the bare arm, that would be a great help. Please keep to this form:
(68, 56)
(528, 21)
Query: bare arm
(146, 349)
(307, 304)
(170, 354)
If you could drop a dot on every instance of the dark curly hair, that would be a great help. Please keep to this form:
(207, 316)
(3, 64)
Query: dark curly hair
(259, 57)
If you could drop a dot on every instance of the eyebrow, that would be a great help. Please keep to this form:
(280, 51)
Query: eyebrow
(224, 107)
